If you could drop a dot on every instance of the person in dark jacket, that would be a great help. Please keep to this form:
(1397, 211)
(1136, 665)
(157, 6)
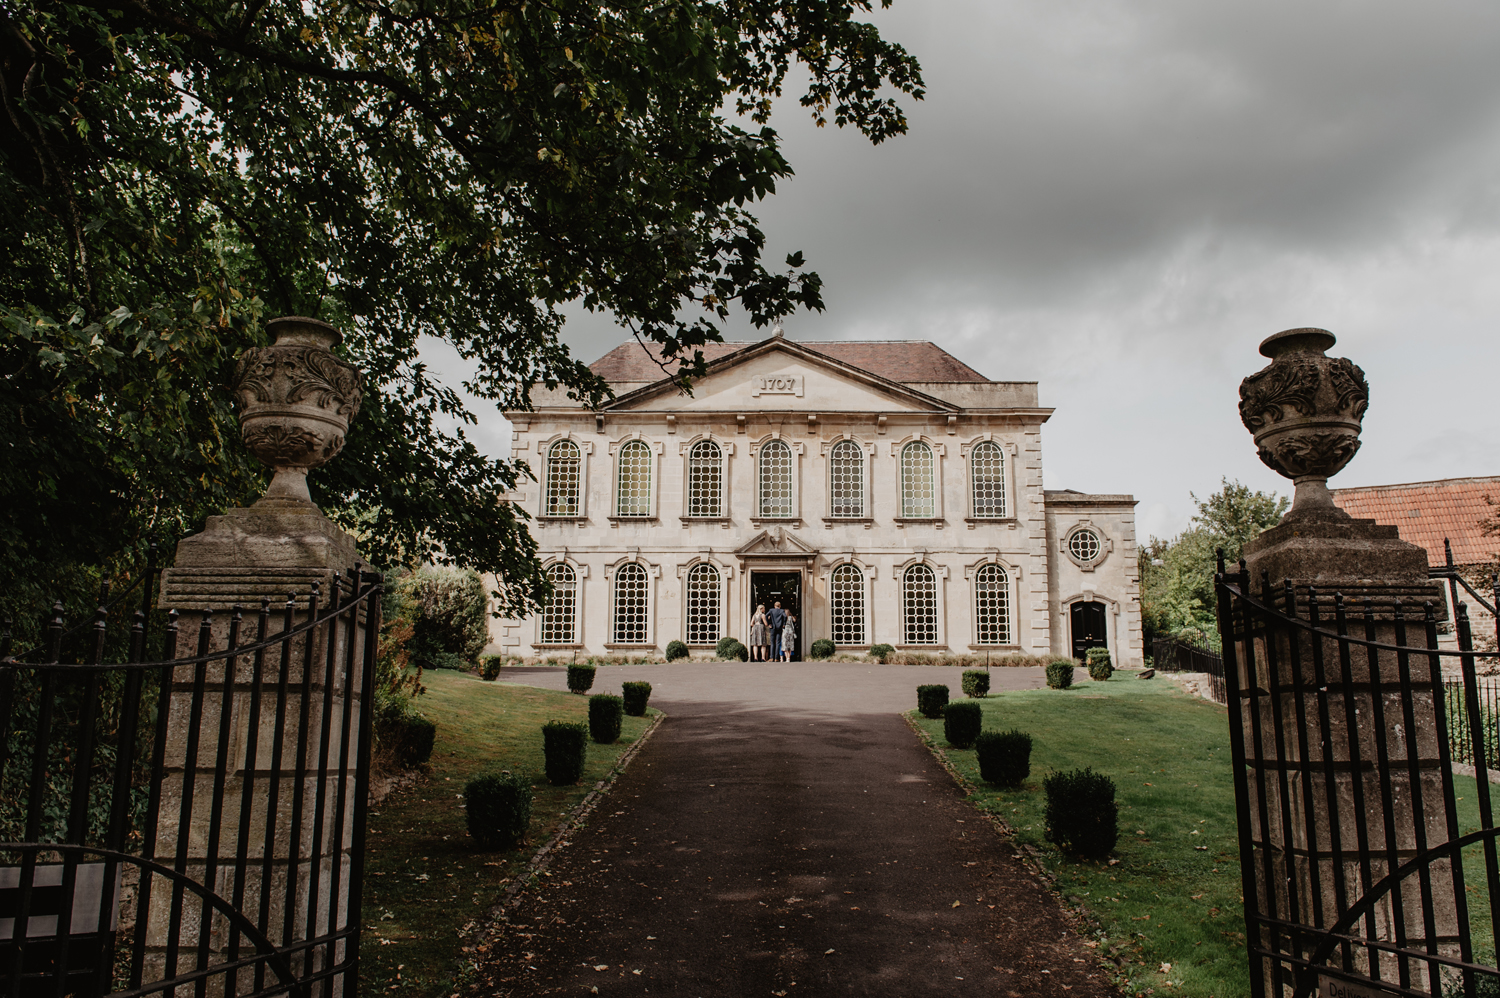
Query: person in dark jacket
(776, 619)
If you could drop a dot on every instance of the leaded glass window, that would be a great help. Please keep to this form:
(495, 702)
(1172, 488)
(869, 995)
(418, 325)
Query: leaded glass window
(847, 600)
(991, 606)
(560, 615)
(918, 481)
(703, 605)
(919, 609)
(987, 469)
(633, 490)
(846, 470)
(564, 465)
(1085, 545)
(632, 605)
(705, 479)
(775, 479)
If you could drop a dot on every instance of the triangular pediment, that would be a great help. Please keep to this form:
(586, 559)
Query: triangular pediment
(776, 542)
(779, 374)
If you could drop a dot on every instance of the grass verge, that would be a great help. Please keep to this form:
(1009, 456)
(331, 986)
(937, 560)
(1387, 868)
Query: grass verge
(1168, 904)
(426, 883)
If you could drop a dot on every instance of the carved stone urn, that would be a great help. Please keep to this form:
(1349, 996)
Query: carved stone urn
(295, 400)
(1305, 411)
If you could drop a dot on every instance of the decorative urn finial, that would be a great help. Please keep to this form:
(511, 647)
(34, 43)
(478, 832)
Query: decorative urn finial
(1304, 411)
(295, 400)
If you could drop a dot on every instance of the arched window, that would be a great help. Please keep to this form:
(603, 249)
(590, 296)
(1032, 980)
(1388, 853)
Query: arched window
(919, 609)
(987, 471)
(632, 605)
(560, 616)
(991, 606)
(705, 479)
(847, 601)
(918, 481)
(846, 482)
(563, 466)
(633, 490)
(703, 605)
(775, 479)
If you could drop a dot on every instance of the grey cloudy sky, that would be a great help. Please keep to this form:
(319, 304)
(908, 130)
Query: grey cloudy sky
(1121, 199)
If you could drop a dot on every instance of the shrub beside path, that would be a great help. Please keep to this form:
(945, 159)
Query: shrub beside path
(783, 833)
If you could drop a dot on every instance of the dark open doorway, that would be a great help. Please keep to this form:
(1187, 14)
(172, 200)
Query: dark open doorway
(769, 588)
(1088, 627)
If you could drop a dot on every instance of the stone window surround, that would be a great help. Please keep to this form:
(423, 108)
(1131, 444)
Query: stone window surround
(1011, 452)
(726, 495)
(1013, 574)
(1106, 544)
(657, 449)
(653, 591)
(544, 455)
(870, 572)
(939, 453)
(726, 573)
(798, 449)
(580, 573)
(940, 574)
(825, 450)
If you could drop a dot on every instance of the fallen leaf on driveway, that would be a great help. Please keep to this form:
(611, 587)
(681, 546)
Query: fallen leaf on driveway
(601, 966)
(957, 904)
(827, 951)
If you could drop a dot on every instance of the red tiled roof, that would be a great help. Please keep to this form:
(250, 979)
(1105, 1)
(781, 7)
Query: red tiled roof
(1426, 512)
(903, 361)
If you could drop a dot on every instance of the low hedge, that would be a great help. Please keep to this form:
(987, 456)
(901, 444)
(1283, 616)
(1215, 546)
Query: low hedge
(1060, 673)
(931, 699)
(882, 653)
(976, 683)
(1004, 757)
(565, 744)
(822, 648)
(636, 695)
(962, 722)
(606, 714)
(675, 650)
(1081, 813)
(580, 678)
(498, 809)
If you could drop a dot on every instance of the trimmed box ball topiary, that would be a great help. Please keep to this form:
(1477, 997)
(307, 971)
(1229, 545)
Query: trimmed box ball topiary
(1099, 668)
(675, 650)
(580, 678)
(931, 700)
(416, 741)
(976, 683)
(730, 649)
(489, 667)
(1060, 673)
(961, 723)
(636, 695)
(566, 747)
(1004, 757)
(822, 648)
(498, 809)
(882, 653)
(1081, 813)
(606, 711)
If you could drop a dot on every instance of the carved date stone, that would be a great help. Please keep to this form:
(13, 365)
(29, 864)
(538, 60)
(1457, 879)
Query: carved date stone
(295, 400)
(1305, 411)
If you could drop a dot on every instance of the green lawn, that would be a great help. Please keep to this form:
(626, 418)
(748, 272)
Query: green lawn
(1172, 893)
(425, 882)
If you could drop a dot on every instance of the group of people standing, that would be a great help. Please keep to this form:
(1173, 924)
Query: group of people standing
(773, 634)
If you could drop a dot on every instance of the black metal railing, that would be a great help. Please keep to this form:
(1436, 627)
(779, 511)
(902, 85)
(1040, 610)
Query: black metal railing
(1362, 863)
(1171, 655)
(194, 821)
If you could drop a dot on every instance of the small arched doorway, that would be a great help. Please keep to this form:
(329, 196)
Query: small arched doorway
(1089, 622)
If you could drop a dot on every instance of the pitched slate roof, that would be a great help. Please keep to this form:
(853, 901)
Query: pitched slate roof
(905, 361)
(1426, 512)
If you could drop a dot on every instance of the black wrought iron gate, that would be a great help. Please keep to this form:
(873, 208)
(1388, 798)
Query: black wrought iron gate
(1363, 759)
(189, 824)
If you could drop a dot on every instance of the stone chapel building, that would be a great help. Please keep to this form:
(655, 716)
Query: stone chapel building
(884, 491)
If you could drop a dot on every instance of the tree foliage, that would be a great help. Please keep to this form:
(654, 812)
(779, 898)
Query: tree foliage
(174, 173)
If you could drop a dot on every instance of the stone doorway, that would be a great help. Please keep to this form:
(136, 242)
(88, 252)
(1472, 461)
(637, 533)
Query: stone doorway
(1089, 621)
(783, 587)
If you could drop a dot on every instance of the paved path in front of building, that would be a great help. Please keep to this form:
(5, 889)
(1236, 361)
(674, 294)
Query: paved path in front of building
(785, 833)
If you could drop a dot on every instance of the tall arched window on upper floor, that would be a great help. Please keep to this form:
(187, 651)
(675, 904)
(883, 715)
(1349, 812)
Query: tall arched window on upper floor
(704, 605)
(564, 468)
(632, 609)
(705, 480)
(847, 605)
(918, 481)
(919, 606)
(633, 485)
(846, 482)
(992, 606)
(560, 615)
(775, 479)
(987, 478)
